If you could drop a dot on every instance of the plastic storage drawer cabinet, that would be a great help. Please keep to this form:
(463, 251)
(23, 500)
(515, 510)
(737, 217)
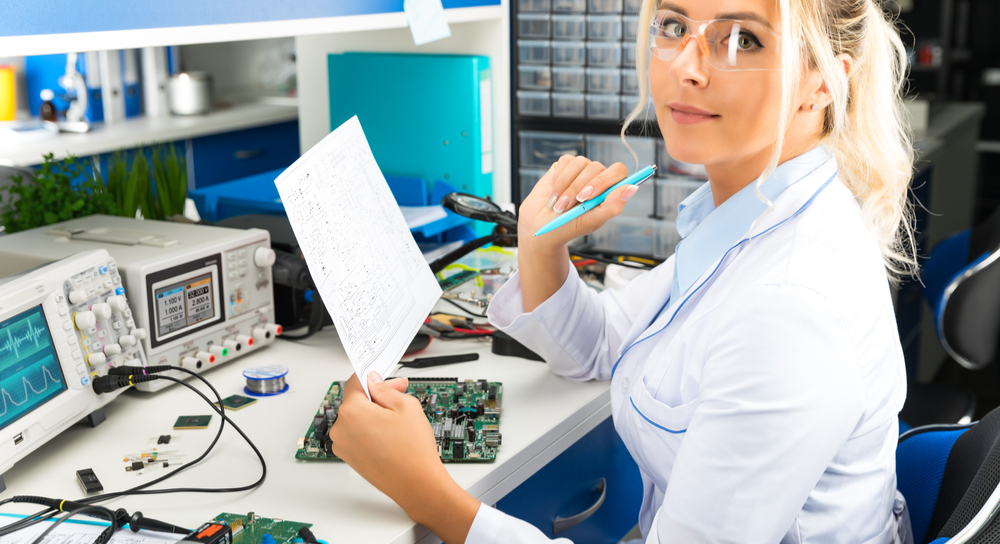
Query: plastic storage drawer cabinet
(607, 54)
(630, 81)
(603, 106)
(608, 149)
(569, 27)
(529, 177)
(534, 51)
(625, 235)
(568, 105)
(534, 77)
(235, 155)
(569, 79)
(541, 149)
(534, 25)
(534, 5)
(604, 80)
(671, 192)
(534, 103)
(569, 53)
(665, 239)
(604, 27)
(629, 102)
(630, 28)
(604, 6)
(631, 6)
(596, 467)
(569, 6)
(628, 54)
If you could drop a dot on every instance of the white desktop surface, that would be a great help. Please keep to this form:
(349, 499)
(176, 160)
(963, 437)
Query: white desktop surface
(542, 415)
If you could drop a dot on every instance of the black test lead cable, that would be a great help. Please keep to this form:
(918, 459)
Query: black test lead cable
(123, 377)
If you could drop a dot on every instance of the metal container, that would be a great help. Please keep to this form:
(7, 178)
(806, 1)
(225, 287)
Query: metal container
(190, 93)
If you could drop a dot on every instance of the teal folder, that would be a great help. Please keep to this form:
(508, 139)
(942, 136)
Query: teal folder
(426, 116)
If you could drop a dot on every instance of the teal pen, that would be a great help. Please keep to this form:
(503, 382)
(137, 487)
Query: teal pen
(635, 179)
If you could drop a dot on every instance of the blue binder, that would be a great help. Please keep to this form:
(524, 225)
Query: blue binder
(425, 116)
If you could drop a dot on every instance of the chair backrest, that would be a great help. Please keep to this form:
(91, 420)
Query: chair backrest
(969, 489)
(968, 318)
(921, 458)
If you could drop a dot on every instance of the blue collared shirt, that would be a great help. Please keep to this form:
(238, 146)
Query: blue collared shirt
(708, 232)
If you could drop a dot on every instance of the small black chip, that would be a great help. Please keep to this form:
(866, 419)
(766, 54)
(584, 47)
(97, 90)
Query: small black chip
(89, 480)
(192, 422)
(493, 393)
(458, 450)
(163, 439)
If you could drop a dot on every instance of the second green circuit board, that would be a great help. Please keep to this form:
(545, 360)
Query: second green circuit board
(464, 415)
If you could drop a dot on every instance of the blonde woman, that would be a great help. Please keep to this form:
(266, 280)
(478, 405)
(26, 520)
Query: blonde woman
(756, 375)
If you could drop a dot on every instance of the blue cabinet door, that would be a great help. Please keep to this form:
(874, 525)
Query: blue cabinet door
(570, 484)
(235, 155)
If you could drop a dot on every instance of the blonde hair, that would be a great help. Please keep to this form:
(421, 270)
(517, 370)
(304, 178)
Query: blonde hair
(866, 126)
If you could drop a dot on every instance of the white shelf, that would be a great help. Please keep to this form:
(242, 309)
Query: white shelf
(143, 130)
(149, 37)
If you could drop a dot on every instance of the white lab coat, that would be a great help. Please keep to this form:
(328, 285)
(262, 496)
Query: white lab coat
(762, 405)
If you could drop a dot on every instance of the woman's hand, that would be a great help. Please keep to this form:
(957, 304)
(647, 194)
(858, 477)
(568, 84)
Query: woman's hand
(567, 183)
(389, 442)
(543, 262)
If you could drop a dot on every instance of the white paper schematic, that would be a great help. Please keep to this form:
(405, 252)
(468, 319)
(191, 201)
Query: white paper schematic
(373, 279)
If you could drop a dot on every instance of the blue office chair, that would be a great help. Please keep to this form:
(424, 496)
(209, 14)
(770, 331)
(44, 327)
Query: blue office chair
(949, 475)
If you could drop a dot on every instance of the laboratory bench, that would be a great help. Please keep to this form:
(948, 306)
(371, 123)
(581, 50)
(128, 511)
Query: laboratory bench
(543, 415)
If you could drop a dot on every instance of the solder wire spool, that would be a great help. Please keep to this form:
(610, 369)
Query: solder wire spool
(265, 380)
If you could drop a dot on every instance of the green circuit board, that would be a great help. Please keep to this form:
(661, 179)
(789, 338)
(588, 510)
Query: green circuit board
(250, 529)
(450, 405)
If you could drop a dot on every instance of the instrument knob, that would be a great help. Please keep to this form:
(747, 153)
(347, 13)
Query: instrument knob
(77, 297)
(112, 349)
(264, 257)
(126, 340)
(84, 320)
(139, 334)
(118, 303)
(101, 310)
(96, 358)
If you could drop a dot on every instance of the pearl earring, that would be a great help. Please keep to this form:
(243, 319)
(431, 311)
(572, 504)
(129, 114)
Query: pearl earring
(815, 107)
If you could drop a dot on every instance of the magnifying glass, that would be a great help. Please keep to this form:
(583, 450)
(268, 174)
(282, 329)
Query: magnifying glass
(481, 209)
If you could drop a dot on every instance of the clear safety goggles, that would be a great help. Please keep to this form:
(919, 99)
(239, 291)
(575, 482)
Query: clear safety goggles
(728, 44)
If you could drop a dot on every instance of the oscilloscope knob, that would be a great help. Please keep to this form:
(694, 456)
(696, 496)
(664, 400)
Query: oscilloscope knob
(138, 334)
(112, 349)
(264, 257)
(84, 320)
(77, 297)
(96, 358)
(118, 303)
(126, 340)
(101, 310)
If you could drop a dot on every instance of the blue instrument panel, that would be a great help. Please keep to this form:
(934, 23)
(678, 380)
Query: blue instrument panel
(30, 374)
(38, 17)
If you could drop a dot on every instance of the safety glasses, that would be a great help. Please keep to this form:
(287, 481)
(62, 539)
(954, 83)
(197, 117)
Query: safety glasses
(729, 45)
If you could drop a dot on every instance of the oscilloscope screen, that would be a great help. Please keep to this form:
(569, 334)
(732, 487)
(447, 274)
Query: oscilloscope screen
(30, 374)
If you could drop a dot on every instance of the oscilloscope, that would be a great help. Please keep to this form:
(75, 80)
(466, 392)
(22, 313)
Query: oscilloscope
(61, 325)
(202, 295)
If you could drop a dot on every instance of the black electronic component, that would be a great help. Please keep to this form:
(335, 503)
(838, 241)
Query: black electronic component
(472, 434)
(163, 439)
(458, 449)
(89, 480)
(481, 385)
(211, 533)
(480, 407)
(493, 393)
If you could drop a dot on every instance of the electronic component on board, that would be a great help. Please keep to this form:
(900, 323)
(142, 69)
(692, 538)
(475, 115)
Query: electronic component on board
(192, 422)
(211, 533)
(464, 420)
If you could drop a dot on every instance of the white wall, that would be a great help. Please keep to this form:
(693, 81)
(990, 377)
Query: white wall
(239, 69)
(490, 38)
